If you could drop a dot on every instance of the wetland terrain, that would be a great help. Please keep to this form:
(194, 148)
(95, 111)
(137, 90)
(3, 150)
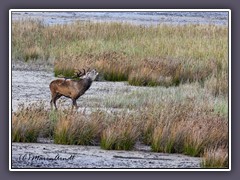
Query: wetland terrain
(160, 101)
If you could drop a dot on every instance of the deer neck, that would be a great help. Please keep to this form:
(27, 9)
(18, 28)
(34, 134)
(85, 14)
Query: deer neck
(87, 82)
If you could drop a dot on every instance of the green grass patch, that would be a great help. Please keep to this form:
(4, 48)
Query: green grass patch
(194, 150)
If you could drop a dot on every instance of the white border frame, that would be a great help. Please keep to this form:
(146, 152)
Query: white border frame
(112, 10)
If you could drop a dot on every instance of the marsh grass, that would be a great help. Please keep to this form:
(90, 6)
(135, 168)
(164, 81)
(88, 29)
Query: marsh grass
(79, 129)
(181, 138)
(167, 139)
(147, 130)
(218, 84)
(169, 132)
(190, 133)
(32, 121)
(121, 134)
(53, 118)
(28, 123)
(147, 56)
(215, 158)
(190, 116)
(184, 119)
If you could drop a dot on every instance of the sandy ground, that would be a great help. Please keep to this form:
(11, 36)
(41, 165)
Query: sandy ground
(30, 86)
(36, 155)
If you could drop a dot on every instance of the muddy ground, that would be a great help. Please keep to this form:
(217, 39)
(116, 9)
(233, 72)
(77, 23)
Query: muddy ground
(32, 85)
(37, 155)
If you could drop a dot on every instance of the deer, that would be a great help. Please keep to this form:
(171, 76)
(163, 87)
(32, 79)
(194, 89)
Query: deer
(71, 88)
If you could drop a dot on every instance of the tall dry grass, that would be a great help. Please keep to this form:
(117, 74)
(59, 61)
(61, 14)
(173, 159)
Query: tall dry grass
(28, 123)
(215, 158)
(149, 56)
(79, 129)
(120, 134)
(183, 128)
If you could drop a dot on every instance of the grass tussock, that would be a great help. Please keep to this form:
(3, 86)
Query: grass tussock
(113, 66)
(170, 127)
(147, 56)
(215, 158)
(180, 130)
(79, 129)
(147, 130)
(212, 132)
(28, 123)
(121, 134)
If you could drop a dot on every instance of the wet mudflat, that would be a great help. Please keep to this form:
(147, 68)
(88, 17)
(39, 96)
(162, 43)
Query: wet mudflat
(37, 155)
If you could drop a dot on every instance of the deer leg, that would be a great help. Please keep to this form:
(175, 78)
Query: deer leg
(74, 103)
(51, 102)
(55, 99)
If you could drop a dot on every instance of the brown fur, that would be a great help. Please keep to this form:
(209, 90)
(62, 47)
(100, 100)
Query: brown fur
(69, 88)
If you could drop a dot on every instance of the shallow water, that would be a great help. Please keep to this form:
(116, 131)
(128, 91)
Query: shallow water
(139, 18)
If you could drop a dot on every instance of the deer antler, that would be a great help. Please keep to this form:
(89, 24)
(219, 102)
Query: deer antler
(80, 73)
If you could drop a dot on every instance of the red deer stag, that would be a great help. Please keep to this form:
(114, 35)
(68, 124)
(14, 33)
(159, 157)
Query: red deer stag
(72, 88)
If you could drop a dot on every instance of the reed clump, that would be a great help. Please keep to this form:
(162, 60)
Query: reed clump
(215, 158)
(79, 129)
(121, 134)
(183, 127)
(113, 66)
(28, 123)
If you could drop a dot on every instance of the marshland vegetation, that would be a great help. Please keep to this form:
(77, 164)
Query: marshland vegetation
(185, 109)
